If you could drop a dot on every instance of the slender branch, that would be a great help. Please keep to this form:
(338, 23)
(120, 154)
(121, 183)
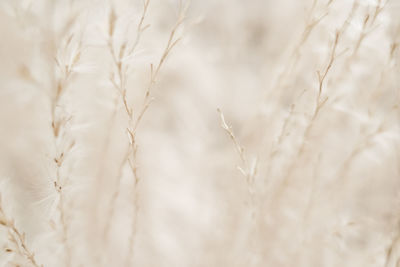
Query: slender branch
(320, 102)
(17, 238)
(311, 22)
(132, 128)
(368, 25)
(120, 86)
(248, 171)
(61, 144)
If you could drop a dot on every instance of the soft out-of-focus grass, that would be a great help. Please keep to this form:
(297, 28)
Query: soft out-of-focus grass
(309, 94)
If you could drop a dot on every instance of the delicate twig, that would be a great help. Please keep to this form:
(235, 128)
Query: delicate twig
(248, 171)
(311, 23)
(320, 102)
(121, 67)
(132, 128)
(120, 85)
(17, 238)
(118, 80)
(295, 55)
(58, 124)
(368, 26)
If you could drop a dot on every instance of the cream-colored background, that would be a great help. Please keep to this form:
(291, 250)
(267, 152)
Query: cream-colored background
(339, 205)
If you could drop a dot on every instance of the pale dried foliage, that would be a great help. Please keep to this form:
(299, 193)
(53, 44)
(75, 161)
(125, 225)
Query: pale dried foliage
(210, 133)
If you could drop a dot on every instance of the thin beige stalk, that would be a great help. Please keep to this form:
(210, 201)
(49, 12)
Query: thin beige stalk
(368, 26)
(283, 130)
(319, 104)
(120, 85)
(17, 238)
(59, 125)
(311, 22)
(118, 80)
(248, 171)
(132, 128)
(293, 60)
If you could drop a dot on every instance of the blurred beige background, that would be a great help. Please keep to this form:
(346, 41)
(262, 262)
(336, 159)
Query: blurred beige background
(325, 190)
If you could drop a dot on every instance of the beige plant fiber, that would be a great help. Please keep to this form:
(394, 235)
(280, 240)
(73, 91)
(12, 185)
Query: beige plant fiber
(203, 133)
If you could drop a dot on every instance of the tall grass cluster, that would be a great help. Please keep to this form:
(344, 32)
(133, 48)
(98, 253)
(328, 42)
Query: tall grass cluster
(203, 133)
